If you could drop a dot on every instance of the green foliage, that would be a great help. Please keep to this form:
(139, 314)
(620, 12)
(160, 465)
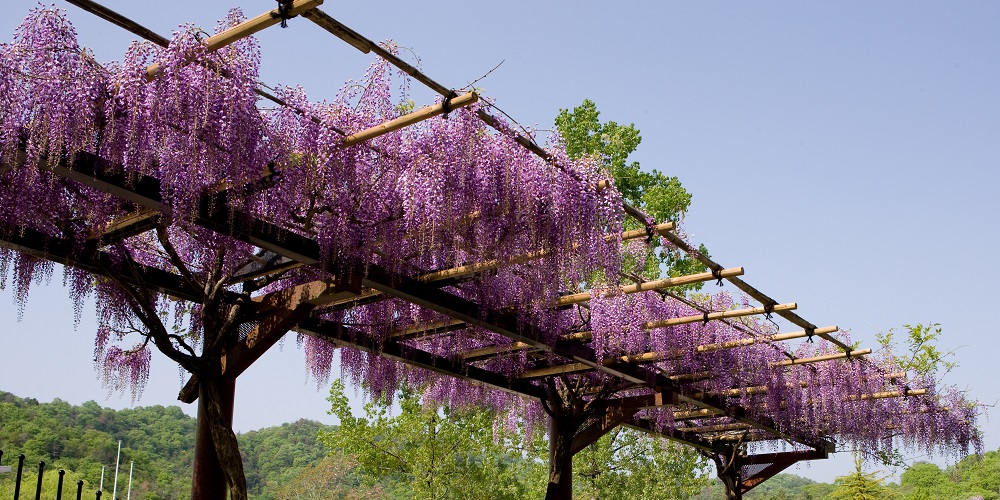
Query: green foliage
(611, 143)
(626, 463)
(860, 485)
(921, 354)
(274, 456)
(660, 196)
(428, 452)
(431, 453)
(159, 440)
(330, 478)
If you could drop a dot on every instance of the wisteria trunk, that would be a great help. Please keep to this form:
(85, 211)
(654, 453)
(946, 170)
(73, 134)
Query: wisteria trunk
(561, 432)
(217, 460)
(729, 473)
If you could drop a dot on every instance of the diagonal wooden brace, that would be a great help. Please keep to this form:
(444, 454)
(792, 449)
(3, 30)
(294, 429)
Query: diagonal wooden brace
(281, 311)
(617, 413)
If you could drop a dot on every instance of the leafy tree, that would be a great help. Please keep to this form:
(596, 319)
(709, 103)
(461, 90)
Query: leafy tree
(662, 197)
(626, 463)
(860, 485)
(429, 452)
(330, 478)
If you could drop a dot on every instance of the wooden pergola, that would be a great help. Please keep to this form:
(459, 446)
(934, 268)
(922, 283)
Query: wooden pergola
(715, 423)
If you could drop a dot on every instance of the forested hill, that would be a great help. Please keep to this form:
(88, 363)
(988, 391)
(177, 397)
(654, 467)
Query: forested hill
(159, 440)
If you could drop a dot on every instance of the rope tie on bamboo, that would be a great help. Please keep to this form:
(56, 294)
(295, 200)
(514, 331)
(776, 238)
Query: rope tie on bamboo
(717, 274)
(446, 103)
(809, 334)
(704, 317)
(650, 231)
(283, 8)
(768, 310)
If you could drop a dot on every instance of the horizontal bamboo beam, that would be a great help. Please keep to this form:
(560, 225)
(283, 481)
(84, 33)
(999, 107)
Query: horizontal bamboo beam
(125, 226)
(427, 329)
(489, 265)
(735, 313)
(245, 29)
(765, 338)
(651, 356)
(887, 395)
(745, 287)
(411, 118)
(826, 357)
(577, 298)
(715, 428)
(700, 413)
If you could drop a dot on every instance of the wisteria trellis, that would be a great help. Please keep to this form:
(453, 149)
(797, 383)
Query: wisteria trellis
(433, 196)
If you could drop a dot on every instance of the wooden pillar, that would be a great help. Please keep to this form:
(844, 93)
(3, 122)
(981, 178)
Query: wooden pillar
(208, 482)
(561, 431)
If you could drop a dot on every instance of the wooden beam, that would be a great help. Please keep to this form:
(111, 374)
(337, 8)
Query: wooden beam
(409, 119)
(577, 298)
(245, 29)
(826, 357)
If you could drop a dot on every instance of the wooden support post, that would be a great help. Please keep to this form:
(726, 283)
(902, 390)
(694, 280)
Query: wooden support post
(207, 481)
(561, 431)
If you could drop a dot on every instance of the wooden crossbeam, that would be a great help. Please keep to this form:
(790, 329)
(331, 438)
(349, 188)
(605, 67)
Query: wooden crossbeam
(245, 29)
(697, 414)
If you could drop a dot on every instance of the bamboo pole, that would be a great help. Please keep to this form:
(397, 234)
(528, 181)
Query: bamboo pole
(887, 395)
(489, 265)
(577, 298)
(715, 428)
(411, 118)
(245, 29)
(825, 357)
(765, 338)
(700, 413)
(735, 313)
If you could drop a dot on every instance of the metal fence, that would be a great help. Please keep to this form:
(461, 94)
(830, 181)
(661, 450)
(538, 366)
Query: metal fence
(38, 487)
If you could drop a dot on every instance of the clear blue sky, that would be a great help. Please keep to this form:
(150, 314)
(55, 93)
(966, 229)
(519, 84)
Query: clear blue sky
(845, 153)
